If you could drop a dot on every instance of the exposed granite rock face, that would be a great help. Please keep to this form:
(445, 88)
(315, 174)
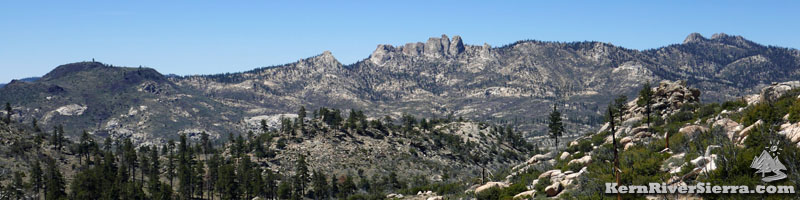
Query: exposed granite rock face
(694, 37)
(773, 92)
(456, 47)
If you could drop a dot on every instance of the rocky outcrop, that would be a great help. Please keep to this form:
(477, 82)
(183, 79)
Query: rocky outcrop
(791, 132)
(729, 127)
(773, 92)
(693, 38)
(70, 110)
(456, 46)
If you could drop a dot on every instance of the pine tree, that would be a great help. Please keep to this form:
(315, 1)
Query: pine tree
(184, 169)
(334, 187)
(35, 125)
(270, 184)
(226, 185)
(243, 176)
(302, 173)
(556, 127)
(620, 107)
(646, 99)
(320, 184)
(348, 186)
(206, 142)
(54, 181)
(129, 158)
(264, 126)
(301, 116)
(17, 186)
(284, 190)
(197, 178)
(9, 112)
(83, 147)
(36, 177)
(213, 172)
(612, 125)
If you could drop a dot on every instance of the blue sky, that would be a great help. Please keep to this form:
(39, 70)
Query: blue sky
(207, 37)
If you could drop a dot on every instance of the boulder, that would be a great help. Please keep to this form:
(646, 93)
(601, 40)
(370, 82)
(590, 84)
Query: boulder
(643, 135)
(746, 131)
(631, 121)
(791, 132)
(692, 130)
(564, 155)
(553, 189)
(525, 195)
(435, 198)
(540, 157)
(583, 160)
(625, 140)
(394, 196)
(627, 146)
(640, 129)
(549, 173)
(729, 126)
(490, 185)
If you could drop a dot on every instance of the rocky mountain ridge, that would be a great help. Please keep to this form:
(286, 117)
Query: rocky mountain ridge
(441, 77)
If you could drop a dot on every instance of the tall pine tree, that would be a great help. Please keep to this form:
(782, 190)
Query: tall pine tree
(556, 126)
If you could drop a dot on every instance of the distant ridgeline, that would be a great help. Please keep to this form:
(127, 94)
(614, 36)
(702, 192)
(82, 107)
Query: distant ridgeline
(510, 85)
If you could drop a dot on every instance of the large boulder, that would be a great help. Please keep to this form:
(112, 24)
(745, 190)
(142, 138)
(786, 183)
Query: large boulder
(550, 173)
(564, 155)
(435, 198)
(553, 189)
(526, 195)
(541, 157)
(490, 185)
(692, 130)
(746, 131)
(729, 126)
(583, 160)
(791, 132)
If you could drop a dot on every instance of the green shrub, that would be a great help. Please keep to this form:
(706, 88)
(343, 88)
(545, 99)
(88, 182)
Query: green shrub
(733, 105)
(582, 146)
(794, 112)
(599, 138)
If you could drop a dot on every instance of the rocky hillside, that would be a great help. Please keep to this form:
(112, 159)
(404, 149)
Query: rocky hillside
(383, 155)
(509, 84)
(687, 142)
